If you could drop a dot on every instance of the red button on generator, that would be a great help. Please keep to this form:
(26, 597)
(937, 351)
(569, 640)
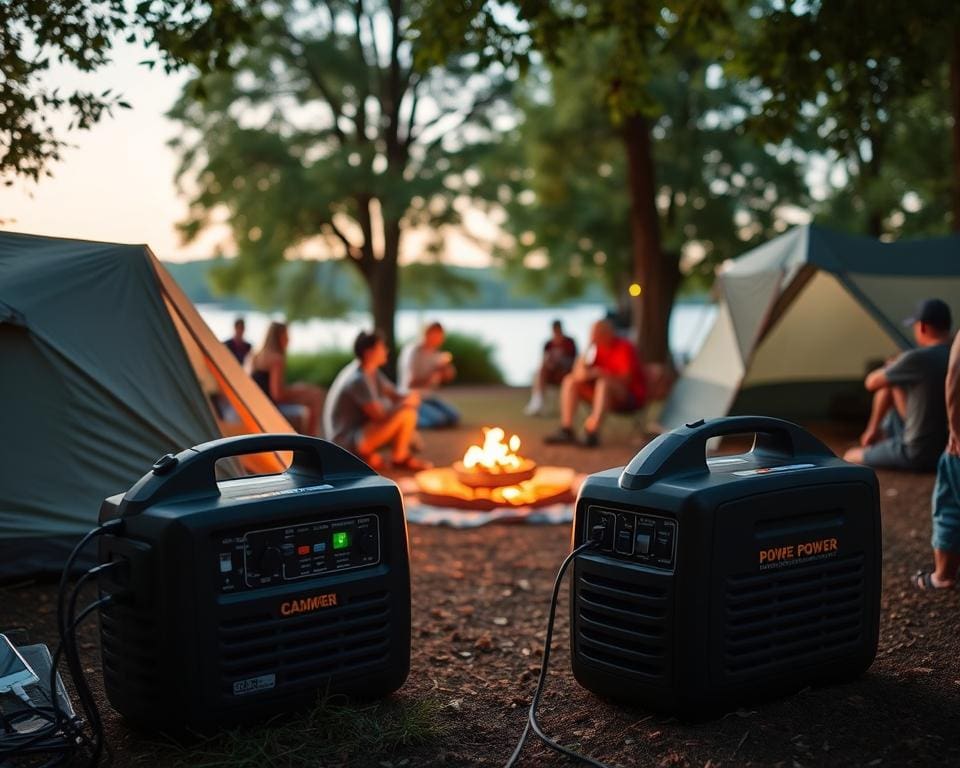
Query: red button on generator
(303, 550)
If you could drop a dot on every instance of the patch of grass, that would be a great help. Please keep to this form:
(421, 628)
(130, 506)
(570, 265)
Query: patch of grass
(333, 733)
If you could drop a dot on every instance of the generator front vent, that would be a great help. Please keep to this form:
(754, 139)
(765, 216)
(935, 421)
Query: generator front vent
(346, 638)
(789, 616)
(621, 625)
(130, 648)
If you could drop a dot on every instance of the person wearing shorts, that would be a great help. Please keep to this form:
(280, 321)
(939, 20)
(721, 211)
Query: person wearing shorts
(559, 354)
(945, 538)
(610, 378)
(908, 421)
(365, 412)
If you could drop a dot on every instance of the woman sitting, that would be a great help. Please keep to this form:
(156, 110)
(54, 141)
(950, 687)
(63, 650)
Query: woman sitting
(268, 367)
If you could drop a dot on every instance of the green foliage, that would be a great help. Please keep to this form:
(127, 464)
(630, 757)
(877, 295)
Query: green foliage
(319, 368)
(326, 139)
(81, 34)
(473, 359)
(718, 190)
(333, 732)
(866, 85)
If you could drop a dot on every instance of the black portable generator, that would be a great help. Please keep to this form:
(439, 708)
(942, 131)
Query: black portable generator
(247, 597)
(722, 581)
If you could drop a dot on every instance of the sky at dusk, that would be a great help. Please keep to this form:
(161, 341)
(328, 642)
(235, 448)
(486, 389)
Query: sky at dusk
(116, 183)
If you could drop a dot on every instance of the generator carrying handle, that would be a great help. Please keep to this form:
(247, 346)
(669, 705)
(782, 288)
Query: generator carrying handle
(192, 472)
(684, 450)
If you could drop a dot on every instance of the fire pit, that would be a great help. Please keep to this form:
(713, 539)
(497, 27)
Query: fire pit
(495, 475)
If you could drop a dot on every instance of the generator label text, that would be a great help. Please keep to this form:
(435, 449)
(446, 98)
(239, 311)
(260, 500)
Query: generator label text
(254, 684)
(308, 604)
(778, 557)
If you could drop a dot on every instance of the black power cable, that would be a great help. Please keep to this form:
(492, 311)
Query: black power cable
(596, 535)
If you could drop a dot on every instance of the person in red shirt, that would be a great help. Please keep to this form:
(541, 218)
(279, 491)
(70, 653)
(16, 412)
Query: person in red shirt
(609, 378)
(559, 354)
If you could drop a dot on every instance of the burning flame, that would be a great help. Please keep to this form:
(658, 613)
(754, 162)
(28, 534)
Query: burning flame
(495, 455)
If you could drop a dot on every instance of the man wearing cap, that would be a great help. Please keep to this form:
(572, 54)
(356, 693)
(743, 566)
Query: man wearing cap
(908, 421)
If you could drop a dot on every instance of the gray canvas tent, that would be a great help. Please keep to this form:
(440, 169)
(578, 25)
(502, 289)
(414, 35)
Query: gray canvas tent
(104, 365)
(801, 319)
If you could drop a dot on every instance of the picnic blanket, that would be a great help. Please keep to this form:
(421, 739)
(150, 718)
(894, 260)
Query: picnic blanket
(428, 514)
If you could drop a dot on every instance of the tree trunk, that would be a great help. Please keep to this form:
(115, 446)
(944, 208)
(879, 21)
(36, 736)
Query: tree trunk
(656, 273)
(383, 284)
(955, 107)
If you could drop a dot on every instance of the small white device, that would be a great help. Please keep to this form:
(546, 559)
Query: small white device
(14, 670)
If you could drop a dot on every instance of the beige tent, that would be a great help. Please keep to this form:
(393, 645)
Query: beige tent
(104, 366)
(802, 318)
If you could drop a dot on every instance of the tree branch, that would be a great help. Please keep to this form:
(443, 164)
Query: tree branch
(352, 251)
(335, 106)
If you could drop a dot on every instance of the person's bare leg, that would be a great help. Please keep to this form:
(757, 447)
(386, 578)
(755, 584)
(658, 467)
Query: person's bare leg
(569, 396)
(945, 568)
(899, 401)
(312, 398)
(600, 405)
(407, 424)
(378, 433)
(882, 402)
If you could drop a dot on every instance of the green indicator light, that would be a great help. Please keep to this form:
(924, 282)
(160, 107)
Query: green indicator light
(341, 539)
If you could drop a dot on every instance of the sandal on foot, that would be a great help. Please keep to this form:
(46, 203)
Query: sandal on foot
(590, 439)
(923, 580)
(411, 464)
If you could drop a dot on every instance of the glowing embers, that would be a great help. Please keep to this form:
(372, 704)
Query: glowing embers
(495, 475)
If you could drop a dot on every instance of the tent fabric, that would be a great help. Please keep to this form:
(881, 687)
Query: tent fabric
(95, 382)
(809, 313)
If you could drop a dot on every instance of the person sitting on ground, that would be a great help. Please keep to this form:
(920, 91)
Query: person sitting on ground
(610, 378)
(365, 412)
(945, 537)
(423, 367)
(238, 345)
(908, 421)
(268, 367)
(559, 354)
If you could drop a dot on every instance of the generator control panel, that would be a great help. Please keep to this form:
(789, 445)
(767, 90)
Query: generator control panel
(268, 556)
(639, 536)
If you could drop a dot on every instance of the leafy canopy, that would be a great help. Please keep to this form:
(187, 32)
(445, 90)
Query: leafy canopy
(36, 35)
(326, 142)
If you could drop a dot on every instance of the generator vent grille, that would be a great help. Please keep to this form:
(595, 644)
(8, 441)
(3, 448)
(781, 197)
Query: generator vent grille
(621, 624)
(787, 617)
(308, 649)
(130, 649)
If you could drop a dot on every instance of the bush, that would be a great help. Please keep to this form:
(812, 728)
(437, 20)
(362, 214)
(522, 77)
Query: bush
(319, 368)
(473, 359)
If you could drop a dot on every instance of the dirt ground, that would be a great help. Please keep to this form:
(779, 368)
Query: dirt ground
(480, 601)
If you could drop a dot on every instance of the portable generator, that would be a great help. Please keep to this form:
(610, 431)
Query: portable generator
(252, 596)
(717, 582)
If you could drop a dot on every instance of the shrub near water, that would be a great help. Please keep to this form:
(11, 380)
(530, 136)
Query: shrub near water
(319, 368)
(472, 357)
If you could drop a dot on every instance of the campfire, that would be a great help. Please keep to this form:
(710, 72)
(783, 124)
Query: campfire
(495, 463)
(494, 474)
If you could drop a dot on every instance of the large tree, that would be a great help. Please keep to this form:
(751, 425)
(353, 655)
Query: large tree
(81, 34)
(862, 74)
(717, 191)
(325, 140)
(642, 33)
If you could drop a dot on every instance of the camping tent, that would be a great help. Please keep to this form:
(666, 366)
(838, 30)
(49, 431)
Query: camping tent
(104, 366)
(802, 319)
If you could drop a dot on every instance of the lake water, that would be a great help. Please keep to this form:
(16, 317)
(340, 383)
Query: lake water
(516, 335)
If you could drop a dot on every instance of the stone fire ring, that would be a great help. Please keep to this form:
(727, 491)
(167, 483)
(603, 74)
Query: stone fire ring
(475, 478)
